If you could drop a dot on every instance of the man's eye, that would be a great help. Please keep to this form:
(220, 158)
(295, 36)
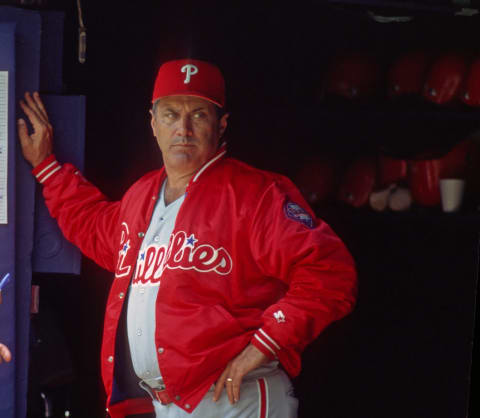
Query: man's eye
(199, 115)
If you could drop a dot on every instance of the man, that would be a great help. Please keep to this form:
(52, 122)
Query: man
(224, 268)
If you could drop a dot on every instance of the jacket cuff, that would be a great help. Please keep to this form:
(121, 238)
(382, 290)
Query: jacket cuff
(266, 344)
(46, 168)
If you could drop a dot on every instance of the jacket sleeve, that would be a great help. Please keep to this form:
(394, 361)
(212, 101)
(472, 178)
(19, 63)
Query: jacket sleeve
(85, 216)
(289, 244)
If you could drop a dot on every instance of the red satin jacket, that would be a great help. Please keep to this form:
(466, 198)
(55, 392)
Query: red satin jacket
(247, 263)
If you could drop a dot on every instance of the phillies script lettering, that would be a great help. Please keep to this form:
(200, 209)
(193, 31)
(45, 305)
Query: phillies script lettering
(122, 269)
(181, 253)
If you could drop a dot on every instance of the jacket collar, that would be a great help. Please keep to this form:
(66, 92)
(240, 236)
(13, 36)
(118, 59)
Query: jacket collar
(222, 150)
(219, 154)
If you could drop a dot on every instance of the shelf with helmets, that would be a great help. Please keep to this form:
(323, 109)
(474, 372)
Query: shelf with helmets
(441, 78)
(366, 114)
(411, 98)
(392, 132)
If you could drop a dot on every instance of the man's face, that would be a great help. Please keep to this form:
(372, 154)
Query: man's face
(187, 131)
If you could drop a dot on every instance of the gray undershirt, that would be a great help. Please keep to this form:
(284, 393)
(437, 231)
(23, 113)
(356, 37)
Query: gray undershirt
(142, 298)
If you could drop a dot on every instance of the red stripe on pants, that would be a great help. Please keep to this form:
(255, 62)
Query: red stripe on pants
(263, 398)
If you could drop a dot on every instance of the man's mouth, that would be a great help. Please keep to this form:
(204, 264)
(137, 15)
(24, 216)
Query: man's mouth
(183, 142)
(183, 145)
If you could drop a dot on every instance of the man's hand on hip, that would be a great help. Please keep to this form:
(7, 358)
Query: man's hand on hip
(249, 359)
(37, 146)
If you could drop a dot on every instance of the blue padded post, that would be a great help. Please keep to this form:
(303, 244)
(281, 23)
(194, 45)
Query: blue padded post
(52, 252)
(27, 78)
(7, 232)
(31, 46)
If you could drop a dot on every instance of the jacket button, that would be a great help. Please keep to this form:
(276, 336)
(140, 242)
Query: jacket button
(121, 295)
(110, 359)
(177, 398)
(187, 405)
(141, 234)
(160, 350)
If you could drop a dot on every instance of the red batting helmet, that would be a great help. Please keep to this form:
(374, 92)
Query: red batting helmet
(353, 75)
(317, 179)
(407, 74)
(445, 78)
(391, 170)
(358, 182)
(425, 175)
(424, 182)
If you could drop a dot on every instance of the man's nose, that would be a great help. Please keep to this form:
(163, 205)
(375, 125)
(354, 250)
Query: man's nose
(184, 126)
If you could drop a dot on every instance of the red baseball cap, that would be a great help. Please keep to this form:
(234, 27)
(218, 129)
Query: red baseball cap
(189, 77)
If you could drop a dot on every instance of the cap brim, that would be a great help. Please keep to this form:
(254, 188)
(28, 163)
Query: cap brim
(192, 94)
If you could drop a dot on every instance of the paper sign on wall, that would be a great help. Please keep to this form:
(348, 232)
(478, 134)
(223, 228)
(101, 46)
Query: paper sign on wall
(3, 146)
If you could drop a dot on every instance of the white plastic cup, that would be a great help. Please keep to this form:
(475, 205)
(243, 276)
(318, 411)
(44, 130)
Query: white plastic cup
(451, 191)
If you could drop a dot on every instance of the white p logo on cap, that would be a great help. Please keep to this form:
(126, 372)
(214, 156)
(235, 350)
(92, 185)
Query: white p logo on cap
(190, 69)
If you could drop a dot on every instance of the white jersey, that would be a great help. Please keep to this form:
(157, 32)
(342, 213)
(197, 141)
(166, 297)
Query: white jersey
(143, 294)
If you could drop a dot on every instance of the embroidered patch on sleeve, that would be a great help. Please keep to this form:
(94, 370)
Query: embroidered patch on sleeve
(297, 213)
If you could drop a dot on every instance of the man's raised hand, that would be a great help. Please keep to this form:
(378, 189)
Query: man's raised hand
(37, 146)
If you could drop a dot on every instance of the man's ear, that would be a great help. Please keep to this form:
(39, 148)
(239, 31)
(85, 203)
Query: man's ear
(223, 124)
(153, 122)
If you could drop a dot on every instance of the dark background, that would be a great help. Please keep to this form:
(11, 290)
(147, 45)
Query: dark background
(406, 349)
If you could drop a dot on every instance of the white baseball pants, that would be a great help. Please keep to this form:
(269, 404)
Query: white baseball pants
(265, 393)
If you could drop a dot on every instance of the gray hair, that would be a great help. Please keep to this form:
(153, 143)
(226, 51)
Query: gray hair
(154, 107)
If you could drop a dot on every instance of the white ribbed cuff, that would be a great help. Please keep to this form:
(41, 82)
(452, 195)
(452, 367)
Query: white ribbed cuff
(267, 342)
(48, 171)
